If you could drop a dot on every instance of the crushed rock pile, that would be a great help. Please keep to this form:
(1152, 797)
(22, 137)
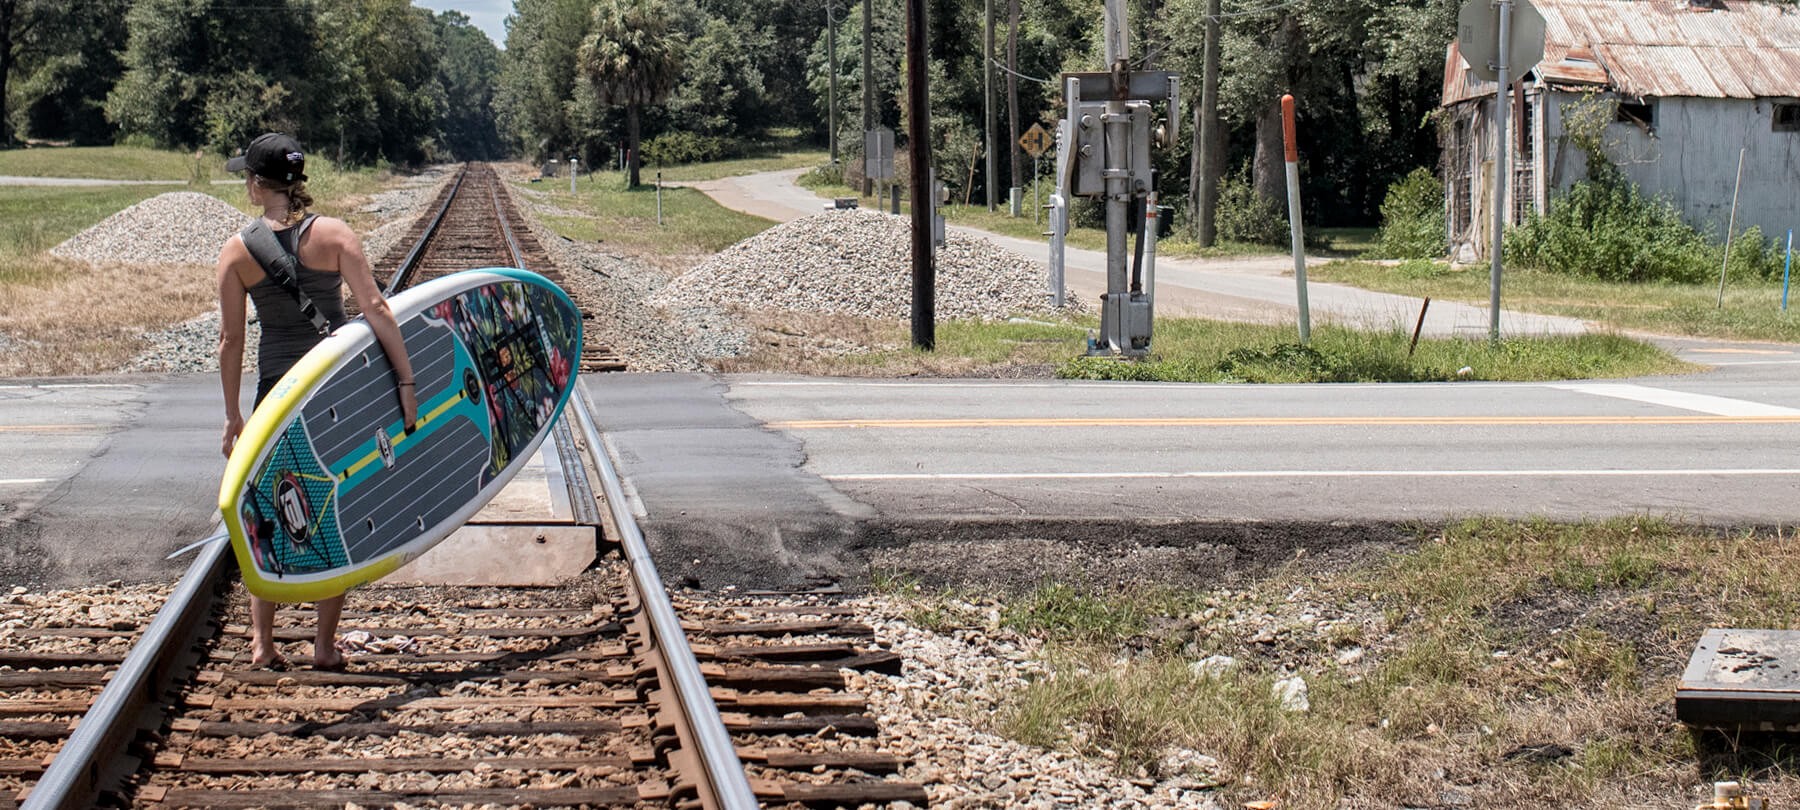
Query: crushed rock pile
(859, 263)
(181, 227)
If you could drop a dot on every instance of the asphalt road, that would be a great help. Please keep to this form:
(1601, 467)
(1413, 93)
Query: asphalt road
(784, 483)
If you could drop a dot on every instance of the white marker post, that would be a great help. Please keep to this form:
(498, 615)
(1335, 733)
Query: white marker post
(1502, 173)
(1294, 226)
(572, 173)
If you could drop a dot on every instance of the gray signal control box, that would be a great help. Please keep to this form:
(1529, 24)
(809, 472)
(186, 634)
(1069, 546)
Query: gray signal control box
(1090, 148)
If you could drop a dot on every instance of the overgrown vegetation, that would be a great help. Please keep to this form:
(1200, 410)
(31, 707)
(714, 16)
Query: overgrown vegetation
(1604, 227)
(1197, 350)
(605, 210)
(1246, 217)
(1494, 664)
(1412, 218)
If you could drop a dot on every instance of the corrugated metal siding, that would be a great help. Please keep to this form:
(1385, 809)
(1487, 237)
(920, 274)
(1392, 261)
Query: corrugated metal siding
(1749, 49)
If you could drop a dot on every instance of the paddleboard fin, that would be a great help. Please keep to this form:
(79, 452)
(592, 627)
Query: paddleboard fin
(215, 538)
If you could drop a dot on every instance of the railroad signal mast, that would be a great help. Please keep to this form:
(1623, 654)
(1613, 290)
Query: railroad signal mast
(1104, 153)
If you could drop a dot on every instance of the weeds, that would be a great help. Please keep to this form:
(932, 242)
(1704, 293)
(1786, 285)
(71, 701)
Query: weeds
(1510, 664)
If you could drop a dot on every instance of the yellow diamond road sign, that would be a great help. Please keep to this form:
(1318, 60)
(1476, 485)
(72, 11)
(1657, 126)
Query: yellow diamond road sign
(1036, 140)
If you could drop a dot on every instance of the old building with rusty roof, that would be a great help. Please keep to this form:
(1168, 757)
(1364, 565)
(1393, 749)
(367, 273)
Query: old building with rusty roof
(1698, 84)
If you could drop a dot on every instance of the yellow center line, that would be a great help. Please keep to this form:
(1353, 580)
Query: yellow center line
(396, 441)
(1297, 421)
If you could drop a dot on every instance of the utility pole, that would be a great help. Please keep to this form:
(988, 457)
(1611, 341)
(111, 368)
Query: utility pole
(1012, 93)
(1209, 138)
(831, 101)
(918, 147)
(987, 100)
(868, 87)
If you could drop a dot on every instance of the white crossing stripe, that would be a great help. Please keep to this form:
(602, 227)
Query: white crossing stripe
(1002, 476)
(1703, 403)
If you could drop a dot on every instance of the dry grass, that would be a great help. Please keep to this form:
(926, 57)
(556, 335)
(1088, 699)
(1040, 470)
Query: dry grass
(1494, 665)
(61, 318)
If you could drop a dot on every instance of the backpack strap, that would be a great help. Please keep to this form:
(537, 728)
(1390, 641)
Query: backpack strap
(282, 268)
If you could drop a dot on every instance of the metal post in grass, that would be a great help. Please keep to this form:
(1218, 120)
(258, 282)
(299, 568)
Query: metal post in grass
(1731, 227)
(572, 173)
(1294, 225)
(1785, 267)
(659, 198)
(1502, 175)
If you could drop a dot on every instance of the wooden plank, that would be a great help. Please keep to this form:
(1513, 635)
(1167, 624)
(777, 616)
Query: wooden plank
(852, 725)
(602, 653)
(759, 702)
(806, 760)
(21, 767)
(306, 633)
(275, 703)
(55, 679)
(790, 628)
(855, 793)
(777, 652)
(373, 677)
(17, 707)
(306, 615)
(19, 659)
(243, 765)
(338, 731)
(285, 799)
(34, 729)
(72, 632)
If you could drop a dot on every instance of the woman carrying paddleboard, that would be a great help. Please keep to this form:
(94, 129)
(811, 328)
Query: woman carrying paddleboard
(296, 281)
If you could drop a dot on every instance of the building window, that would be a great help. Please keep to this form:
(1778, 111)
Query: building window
(1643, 114)
(1787, 118)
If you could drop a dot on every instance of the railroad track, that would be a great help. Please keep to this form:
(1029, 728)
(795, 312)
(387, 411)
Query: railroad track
(594, 694)
(461, 231)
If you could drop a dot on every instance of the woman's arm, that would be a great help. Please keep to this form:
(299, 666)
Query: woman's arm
(354, 267)
(231, 339)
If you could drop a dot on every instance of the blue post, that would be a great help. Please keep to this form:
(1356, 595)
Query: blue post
(1785, 267)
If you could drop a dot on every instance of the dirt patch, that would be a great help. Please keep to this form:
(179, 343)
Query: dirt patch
(1007, 557)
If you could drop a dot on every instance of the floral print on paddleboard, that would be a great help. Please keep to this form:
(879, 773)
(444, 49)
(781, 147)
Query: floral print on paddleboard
(521, 341)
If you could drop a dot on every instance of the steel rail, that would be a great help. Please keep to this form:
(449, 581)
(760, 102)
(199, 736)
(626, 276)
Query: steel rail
(85, 763)
(726, 786)
(403, 273)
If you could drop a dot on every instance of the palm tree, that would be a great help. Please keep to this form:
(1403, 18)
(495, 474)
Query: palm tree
(632, 58)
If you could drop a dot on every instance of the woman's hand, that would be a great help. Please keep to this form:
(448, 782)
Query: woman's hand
(409, 405)
(233, 426)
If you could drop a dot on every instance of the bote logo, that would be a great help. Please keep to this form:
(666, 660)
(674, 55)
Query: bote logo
(296, 513)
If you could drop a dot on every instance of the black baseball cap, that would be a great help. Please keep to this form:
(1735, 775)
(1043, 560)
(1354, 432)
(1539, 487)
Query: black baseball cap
(274, 156)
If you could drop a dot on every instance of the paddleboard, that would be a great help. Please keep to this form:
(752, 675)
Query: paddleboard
(326, 489)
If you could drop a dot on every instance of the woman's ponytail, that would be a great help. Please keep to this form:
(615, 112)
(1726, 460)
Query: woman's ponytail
(298, 199)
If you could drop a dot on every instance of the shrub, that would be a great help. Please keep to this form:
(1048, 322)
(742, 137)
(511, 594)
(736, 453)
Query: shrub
(824, 175)
(1608, 229)
(1244, 217)
(1412, 218)
(675, 148)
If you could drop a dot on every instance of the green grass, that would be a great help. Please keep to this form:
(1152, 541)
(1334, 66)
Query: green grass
(1197, 350)
(34, 219)
(1752, 310)
(1486, 636)
(604, 210)
(696, 172)
(110, 163)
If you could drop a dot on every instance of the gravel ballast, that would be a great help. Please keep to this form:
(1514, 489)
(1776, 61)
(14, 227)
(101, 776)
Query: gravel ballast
(858, 263)
(180, 227)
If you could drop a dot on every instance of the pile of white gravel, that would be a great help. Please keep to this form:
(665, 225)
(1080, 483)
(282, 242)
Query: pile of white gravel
(859, 263)
(181, 227)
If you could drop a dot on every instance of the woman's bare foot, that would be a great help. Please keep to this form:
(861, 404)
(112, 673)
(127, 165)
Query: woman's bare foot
(328, 659)
(274, 662)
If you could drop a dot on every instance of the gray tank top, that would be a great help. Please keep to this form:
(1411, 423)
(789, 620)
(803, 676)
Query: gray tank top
(286, 333)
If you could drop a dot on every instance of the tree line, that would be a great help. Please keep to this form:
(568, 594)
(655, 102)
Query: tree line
(363, 81)
(677, 80)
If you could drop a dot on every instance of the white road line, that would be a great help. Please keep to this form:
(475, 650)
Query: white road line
(625, 485)
(24, 482)
(67, 385)
(1703, 403)
(1109, 385)
(1301, 474)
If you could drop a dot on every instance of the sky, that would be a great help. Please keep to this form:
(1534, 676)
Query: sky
(487, 15)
